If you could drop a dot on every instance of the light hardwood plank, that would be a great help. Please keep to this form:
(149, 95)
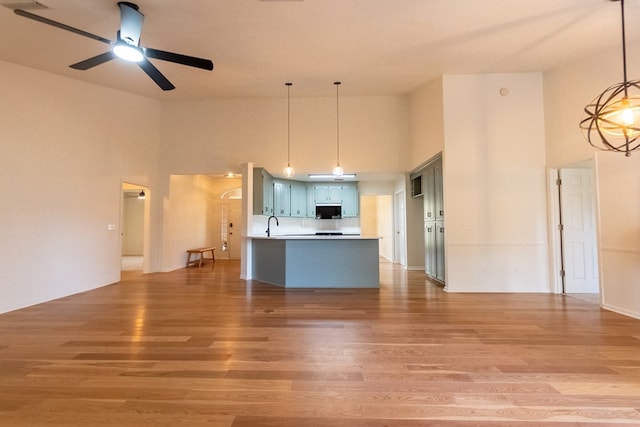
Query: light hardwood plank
(202, 347)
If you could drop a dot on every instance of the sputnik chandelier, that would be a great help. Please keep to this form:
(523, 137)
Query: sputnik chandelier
(612, 119)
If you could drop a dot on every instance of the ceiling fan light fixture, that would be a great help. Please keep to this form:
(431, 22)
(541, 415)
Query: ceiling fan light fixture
(128, 52)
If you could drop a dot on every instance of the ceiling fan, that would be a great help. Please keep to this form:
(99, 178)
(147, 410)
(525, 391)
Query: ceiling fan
(127, 45)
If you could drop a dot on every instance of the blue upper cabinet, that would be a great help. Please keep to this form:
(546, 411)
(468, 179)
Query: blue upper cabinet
(328, 194)
(297, 199)
(262, 192)
(349, 200)
(281, 198)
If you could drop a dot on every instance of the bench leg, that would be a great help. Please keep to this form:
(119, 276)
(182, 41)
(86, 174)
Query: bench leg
(188, 259)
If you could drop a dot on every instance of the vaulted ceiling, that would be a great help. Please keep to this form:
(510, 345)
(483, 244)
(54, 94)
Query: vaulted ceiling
(375, 47)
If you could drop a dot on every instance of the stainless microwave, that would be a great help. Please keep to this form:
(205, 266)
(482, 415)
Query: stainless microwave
(328, 211)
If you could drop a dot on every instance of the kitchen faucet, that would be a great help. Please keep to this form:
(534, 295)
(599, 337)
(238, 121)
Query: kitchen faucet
(268, 224)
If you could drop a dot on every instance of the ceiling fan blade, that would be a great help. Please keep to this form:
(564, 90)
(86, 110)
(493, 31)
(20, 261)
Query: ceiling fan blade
(92, 62)
(156, 75)
(66, 27)
(190, 61)
(130, 23)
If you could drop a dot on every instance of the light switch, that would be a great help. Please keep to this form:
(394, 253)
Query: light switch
(111, 227)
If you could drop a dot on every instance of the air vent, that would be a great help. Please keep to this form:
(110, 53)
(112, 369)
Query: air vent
(25, 5)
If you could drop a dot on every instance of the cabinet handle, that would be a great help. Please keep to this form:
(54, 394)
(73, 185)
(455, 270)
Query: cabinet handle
(428, 214)
(441, 213)
(442, 230)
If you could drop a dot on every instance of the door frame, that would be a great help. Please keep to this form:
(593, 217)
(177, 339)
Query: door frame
(128, 185)
(399, 228)
(556, 260)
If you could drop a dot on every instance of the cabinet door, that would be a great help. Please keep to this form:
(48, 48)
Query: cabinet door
(267, 190)
(430, 248)
(298, 200)
(437, 191)
(429, 194)
(311, 201)
(328, 193)
(322, 193)
(439, 243)
(335, 194)
(282, 198)
(349, 201)
(262, 192)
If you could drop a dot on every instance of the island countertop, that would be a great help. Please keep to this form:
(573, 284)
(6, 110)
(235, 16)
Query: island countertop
(316, 237)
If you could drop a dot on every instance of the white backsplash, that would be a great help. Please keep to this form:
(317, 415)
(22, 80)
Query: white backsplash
(290, 225)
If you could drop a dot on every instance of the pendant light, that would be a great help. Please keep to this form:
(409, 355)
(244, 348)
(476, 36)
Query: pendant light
(288, 171)
(337, 171)
(612, 119)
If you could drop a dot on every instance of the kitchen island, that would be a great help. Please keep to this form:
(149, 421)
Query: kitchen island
(310, 261)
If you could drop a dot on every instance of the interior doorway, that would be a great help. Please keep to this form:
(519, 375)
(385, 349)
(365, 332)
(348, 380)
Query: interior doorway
(376, 219)
(132, 229)
(230, 218)
(575, 224)
(399, 238)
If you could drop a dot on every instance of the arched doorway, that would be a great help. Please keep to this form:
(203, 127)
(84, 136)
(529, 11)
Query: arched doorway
(230, 217)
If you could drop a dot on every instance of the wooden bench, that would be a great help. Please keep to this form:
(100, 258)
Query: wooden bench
(201, 258)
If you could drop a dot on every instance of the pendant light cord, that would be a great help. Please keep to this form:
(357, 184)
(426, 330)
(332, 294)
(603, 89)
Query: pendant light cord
(337, 124)
(624, 49)
(288, 124)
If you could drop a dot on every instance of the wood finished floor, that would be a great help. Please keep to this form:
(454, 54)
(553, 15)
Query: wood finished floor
(201, 347)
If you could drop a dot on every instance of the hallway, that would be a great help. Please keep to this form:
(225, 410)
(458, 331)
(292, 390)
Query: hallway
(200, 346)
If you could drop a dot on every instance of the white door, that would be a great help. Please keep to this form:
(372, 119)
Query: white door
(235, 209)
(230, 227)
(399, 243)
(579, 244)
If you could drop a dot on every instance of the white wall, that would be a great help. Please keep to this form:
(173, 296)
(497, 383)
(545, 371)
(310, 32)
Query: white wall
(221, 135)
(426, 123)
(494, 183)
(426, 141)
(65, 147)
(184, 219)
(567, 91)
(192, 215)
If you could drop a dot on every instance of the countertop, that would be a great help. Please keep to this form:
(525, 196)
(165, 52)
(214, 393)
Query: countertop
(316, 237)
